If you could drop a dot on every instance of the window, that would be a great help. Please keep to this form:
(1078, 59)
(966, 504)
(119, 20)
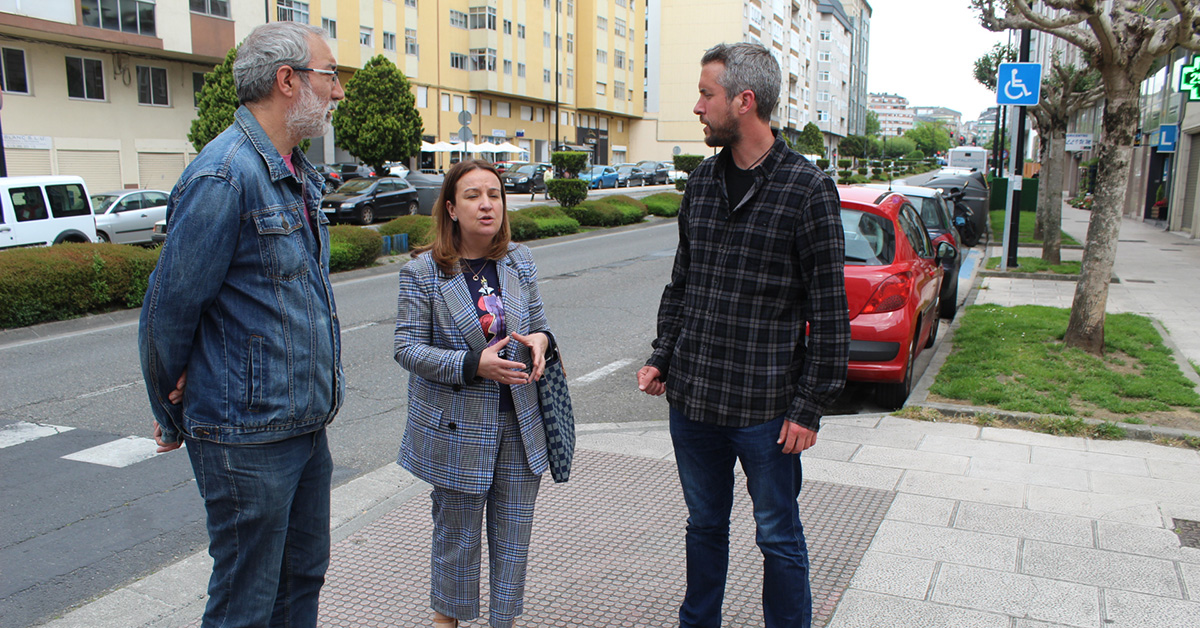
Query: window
(422, 96)
(601, 56)
(526, 113)
(28, 203)
(458, 61)
(570, 78)
(619, 59)
(539, 115)
(824, 55)
(570, 7)
(219, 8)
(822, 116)
(520, 31)
(410, 3)
(825, 36)
(618, 90)
(520, 70)
(545, 76)
(560, 78)
(14, 77)
(445, 102)
(486, 107)
(508, 67)
(129, 16)
(458, 18)
(197, 87)
(823, 76)
(620, 3)
(600, 88)
(603, 124)
(458, 103)
(483, 18)
(558, 43)
(471, 104)
(508, 27)
(822, 96)
(619, 27)
(620, 126)
(410, 42)
(389, 41)
(330, 27)
(502, 109)
(602, 23)
(483, 59)
(545, 39)
(85, 78)
(631, 33)
(366, 36)
(291, 11)
(152, 85)
(570, 42)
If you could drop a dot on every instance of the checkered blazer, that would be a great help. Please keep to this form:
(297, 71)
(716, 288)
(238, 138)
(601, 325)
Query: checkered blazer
(451, 438)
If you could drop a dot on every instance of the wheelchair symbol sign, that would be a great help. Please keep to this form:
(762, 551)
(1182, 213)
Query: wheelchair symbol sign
(1019, 84)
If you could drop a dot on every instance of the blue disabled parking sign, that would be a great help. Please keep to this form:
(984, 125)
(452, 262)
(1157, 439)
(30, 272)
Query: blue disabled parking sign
(1019, 84)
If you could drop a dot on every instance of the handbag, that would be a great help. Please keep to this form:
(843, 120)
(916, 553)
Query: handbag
(558, 417)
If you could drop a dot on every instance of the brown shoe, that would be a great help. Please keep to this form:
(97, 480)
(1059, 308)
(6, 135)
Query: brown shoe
(441, 621)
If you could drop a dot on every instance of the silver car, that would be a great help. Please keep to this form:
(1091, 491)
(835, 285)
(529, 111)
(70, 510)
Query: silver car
(128, 216)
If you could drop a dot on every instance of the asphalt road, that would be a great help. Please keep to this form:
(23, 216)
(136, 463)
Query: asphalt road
(85, 507)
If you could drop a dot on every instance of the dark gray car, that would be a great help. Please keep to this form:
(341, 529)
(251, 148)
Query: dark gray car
(656, 172)
(364, 199)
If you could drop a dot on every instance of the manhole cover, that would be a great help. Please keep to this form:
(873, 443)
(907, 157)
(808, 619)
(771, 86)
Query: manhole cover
(1189, 532)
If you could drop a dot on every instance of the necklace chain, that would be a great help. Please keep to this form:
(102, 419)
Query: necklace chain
(761, 157)
(475, 273)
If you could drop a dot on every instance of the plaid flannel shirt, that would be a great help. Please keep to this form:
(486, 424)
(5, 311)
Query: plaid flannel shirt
(747, 281)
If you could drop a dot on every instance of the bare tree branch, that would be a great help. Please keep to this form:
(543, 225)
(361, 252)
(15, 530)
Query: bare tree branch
(1074, 16)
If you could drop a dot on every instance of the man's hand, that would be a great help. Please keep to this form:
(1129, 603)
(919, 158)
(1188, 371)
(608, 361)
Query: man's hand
(795, 438)
(176, 396)
(164, 447)
(650, 381)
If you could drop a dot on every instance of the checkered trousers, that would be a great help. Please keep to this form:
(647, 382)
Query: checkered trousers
(457, 529)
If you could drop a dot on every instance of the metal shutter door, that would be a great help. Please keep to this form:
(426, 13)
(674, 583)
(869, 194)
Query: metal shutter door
(1190, 206)
(100, 169)
(159, 171)
(26, 161)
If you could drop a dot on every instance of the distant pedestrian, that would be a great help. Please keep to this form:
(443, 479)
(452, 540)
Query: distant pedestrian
(471, 331)
(759, 261)
(239, 338)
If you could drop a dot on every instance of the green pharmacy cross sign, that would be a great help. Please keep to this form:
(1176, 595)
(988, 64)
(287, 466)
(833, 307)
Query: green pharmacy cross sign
(1189, 79)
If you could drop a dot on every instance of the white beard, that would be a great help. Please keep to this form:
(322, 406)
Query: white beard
(308, 116)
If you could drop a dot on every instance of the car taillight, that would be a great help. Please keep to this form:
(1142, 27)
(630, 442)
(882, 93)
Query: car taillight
(335, 175)
(891, 295)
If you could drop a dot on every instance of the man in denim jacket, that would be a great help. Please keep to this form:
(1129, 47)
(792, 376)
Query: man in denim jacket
(239, 335)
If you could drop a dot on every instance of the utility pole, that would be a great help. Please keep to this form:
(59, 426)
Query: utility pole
(1018, 166)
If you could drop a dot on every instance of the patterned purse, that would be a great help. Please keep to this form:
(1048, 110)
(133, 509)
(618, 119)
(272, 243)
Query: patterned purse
(558, 417)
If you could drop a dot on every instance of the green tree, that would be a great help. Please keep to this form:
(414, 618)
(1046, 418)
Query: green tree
(569, 162)
(858, 146)
(930, 137)
(987, 65)
(872, 124)
(898, 146)
(218, 103)
(810, 142)
(378, 121)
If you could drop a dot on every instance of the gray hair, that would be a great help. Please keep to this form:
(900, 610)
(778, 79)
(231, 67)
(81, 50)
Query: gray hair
(266, 49)
(751, 67)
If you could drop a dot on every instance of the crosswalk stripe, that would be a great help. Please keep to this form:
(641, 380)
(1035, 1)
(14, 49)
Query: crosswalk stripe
(118, 453)
(23, 431)
(602, 372)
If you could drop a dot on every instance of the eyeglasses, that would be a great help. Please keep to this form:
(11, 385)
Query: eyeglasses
(330, 73)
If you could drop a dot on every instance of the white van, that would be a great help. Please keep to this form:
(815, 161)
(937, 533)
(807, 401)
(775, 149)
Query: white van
(968, 157)
(44, 210)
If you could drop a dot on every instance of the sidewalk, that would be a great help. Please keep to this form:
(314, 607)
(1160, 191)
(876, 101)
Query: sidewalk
(909, 523)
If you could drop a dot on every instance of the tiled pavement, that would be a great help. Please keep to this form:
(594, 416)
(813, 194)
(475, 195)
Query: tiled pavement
(909, 523)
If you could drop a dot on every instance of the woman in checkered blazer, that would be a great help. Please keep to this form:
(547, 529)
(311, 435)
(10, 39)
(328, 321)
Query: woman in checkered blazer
(471, 331)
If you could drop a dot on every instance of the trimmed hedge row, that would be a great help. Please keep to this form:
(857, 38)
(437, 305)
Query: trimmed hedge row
(541, 221)
(419, 229)
(352, 247)
(39, 285)
(610, 211)
(664, 204)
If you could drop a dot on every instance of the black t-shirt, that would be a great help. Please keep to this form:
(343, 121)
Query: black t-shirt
(490, 310)
(737, 183)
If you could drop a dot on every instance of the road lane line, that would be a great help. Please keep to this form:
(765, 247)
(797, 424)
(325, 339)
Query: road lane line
(23, 431)
(118, 453)
(601, 372)
(108, 390)
(358, 327)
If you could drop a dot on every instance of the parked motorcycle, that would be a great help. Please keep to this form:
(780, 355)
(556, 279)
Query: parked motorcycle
(963, 218)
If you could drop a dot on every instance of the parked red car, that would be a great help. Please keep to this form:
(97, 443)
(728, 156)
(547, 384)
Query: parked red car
(893, 278)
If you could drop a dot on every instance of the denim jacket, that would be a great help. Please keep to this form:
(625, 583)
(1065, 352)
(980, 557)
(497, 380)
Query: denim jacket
(241, 298)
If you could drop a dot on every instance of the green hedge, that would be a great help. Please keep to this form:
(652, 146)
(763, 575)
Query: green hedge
(541, 221)
(568, 192)
(663, 204)
(54, 283)
(419, 229)
(610, 211)
(352, 247)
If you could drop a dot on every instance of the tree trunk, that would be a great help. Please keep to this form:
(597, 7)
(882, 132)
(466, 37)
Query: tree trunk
(1050, 191)
(1086, 327)
(1040, 224)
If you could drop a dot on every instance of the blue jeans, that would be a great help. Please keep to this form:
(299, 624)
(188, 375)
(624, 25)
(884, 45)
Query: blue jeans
(705, 455)
(268, 529)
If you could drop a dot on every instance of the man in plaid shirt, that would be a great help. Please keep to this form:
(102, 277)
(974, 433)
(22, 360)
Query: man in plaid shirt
(759, 263)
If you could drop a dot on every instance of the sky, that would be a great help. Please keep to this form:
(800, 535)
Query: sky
(925, 51)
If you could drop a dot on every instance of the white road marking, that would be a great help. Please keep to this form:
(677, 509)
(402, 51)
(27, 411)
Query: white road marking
(24, 431)
(358, 327)
(108, 390)
(118, 453)
(601, 372)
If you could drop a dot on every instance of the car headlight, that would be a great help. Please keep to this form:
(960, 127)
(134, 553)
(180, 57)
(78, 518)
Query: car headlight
(522, 179)
(349, 205)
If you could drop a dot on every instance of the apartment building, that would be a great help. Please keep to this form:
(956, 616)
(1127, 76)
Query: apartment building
(106, 90)
(893, 113)
(949, 118)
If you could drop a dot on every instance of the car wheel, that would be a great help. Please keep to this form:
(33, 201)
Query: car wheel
(893, 396)
(102, 237)
(935, 312)
(413, 206)
(366, 215)
(949, 304)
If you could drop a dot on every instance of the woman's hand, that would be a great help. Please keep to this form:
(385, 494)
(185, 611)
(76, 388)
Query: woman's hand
(497, 369)
(537, 343)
